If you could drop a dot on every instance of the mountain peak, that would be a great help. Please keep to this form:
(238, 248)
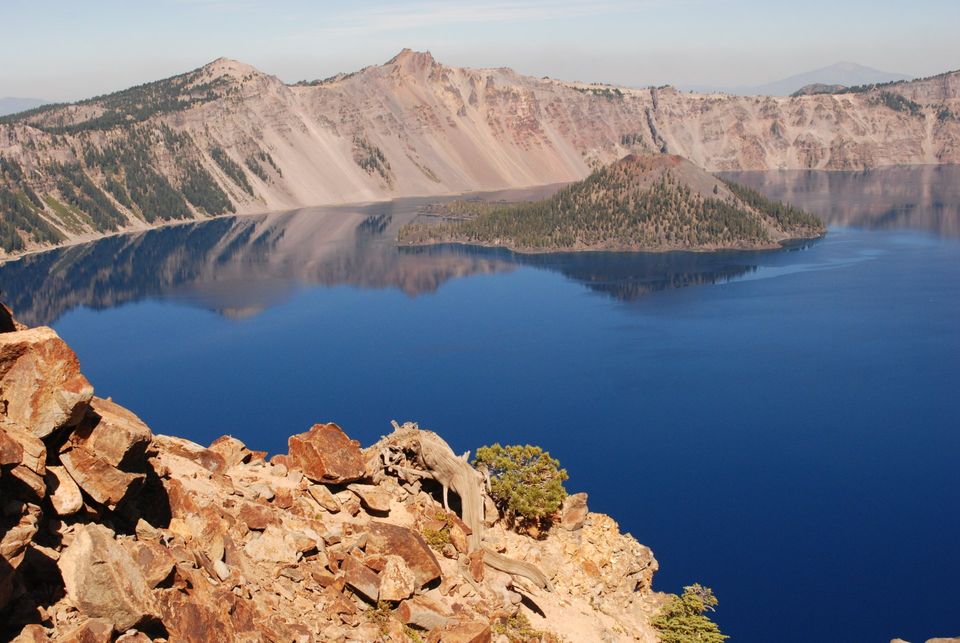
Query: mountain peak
(230, 68)
(410, 58)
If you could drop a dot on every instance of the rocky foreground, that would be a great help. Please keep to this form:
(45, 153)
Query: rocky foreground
(109, 532)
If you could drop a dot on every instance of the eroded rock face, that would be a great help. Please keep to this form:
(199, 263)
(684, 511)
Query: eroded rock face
(63, 492)
(326, 454)
(102, 482)
(41, 387)
(103, 580)
(112, 432)
(574, 511)
(384, 538)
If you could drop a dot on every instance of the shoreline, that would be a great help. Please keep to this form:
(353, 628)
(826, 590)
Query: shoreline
(77, 241)
(780, 245)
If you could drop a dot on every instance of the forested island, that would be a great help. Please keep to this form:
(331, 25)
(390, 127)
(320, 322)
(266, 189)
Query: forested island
(650, 203)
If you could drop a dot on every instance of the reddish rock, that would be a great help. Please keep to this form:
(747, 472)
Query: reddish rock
(133, 637)
(115, 434)
(206, 458)
(324, 498)
(234, 451)
(283, 498)
(458, 538)
(103, 581)
(19, 446)
(372, 497)
(462, 632)
(102, 482)
(326, 454)
(384, 538)
(63, 492)
(574, 512)
(11, 453)
(92, 630)
(397, 581)
(361, 578)
(153, 559)
(424, 612)
(273, 545)
(31, 480)
(41, 387)
(476, 565)
(256, 516)
(196, 619)
(31, 634)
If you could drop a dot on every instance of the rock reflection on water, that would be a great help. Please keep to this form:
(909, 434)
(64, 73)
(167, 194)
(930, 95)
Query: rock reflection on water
(917, 197)
(239, 266)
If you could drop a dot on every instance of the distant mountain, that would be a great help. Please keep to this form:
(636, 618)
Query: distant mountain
(227, 138)
(12, 105)
(842, 73)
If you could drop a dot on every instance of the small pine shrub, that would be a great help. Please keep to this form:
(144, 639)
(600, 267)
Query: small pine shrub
(684, 620)
(525, 482)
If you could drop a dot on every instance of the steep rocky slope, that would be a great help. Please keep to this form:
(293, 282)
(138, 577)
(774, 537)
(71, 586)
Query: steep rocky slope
(649, 202)
(228, 138)
(110, 532)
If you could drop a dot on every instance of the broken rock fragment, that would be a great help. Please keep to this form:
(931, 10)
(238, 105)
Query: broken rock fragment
(326, 454)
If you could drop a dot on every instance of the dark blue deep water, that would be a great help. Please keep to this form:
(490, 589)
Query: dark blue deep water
(783, 427)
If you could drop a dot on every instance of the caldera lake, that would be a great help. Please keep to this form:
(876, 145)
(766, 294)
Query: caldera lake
(781, 426)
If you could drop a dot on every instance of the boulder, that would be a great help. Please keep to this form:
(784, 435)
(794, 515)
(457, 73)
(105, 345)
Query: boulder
(361, 578)
(103, 581)
(273, 545)
(92, 630)
(153, 559)
(232, 450)
(256, 516)
(326, 454)
(574, 512)
(196, 619)
(424, 612)
(102, 482)
(372, 497)
(463, 632)
(324, 498)
(63, 492)
(397, 582)
(115, 434)
(191, 451)
(385, 539)
(30, 480)
(19, 446)
(41, 387)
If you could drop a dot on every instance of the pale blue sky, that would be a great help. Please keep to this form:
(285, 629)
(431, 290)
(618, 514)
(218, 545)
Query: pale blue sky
(69, 49)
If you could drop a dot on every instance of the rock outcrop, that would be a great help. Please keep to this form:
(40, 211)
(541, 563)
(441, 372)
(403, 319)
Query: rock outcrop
(229, 138)
(111, 533)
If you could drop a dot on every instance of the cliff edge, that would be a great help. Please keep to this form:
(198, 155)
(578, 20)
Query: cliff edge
(111, 532)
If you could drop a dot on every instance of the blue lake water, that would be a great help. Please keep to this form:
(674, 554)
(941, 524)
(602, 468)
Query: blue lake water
(780, 426)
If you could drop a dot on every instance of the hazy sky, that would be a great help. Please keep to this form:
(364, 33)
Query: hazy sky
(69, 49)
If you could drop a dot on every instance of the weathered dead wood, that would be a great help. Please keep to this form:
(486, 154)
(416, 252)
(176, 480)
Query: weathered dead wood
(412, 453)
